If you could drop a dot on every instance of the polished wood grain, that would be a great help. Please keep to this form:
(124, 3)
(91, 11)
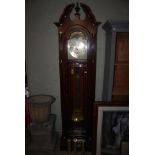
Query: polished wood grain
(121, 67)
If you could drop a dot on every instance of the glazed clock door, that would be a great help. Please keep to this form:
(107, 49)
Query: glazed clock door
(77, 61)
(78, 93)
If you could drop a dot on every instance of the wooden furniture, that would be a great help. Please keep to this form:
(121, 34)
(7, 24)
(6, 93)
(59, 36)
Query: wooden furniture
(77, 61)
(116, 72)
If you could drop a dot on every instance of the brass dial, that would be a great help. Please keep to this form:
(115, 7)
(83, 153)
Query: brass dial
(77, 46)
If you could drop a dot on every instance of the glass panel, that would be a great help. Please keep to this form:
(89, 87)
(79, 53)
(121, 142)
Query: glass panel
(77, 115)
(115, 130)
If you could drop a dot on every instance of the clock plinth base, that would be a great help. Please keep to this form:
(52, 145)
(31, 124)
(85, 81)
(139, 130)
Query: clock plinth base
(72, 137)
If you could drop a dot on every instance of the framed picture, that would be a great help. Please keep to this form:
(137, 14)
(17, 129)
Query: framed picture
(112, 130)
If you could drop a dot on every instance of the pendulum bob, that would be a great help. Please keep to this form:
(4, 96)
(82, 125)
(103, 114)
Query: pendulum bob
(77, 116)
(77, 119)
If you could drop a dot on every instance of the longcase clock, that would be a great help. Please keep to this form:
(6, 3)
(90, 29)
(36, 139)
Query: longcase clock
(77, 61)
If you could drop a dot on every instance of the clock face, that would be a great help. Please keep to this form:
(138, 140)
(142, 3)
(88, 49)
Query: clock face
(77, 46)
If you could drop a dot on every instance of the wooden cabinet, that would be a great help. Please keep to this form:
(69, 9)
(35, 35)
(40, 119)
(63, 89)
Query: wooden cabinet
(116, 71)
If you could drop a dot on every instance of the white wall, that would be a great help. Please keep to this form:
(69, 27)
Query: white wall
(42, 44)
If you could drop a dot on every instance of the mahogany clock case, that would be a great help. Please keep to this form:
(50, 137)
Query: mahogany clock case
(77, 71)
